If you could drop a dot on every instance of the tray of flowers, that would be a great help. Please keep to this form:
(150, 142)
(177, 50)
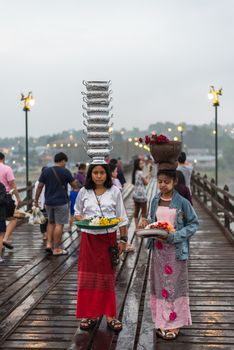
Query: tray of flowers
(158, 229)
(98, 223)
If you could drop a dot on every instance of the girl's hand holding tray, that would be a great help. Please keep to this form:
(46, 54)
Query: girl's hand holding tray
(156, 230)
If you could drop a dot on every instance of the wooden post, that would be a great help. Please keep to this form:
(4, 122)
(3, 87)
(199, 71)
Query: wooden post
(205, 187)
(226, 207)
(193, 183)
(213, 195)
(198, 184)
(29, 195)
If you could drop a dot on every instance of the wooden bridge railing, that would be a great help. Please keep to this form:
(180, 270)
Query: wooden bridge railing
(218, 201)
(28, 198)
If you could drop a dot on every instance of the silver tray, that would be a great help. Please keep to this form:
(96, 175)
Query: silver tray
(99, 152)
(97, 135)
(151, 233)
(97, 94)
(100, 102)
(96, 110)
(97, 82)
(98, 144)
(97, 127)
(99, 119)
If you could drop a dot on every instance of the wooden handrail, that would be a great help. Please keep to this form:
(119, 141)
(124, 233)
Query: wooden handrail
(28, 200)
(217, 200)
(212, 184)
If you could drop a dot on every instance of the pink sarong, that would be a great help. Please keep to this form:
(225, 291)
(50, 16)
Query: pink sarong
(169, 298)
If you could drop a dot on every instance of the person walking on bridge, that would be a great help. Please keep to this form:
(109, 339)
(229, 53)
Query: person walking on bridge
(186, 168)
(8, 180)
(139, 192)
(169, 272)
(55, 180)
(99, 250)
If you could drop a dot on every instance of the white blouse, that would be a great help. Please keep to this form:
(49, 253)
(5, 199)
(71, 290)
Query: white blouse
(111, 203)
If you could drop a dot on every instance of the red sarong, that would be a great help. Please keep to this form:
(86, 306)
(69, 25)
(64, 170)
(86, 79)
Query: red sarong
(96, 277)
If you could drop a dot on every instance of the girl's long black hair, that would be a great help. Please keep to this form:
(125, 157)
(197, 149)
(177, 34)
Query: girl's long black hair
(136, 167)
(90, 185)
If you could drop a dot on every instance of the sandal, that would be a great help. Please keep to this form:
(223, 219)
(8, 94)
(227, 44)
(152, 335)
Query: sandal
(166, 334)
(87, 323)
(49, 250)
(7, 245)
(61, 252)
(170, 335)
(115, 325)
(161, 333)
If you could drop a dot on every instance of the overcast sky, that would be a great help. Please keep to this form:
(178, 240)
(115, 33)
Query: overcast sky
(161, 55)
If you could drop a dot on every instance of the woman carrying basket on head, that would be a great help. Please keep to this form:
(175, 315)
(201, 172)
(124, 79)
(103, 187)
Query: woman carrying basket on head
(169, 273)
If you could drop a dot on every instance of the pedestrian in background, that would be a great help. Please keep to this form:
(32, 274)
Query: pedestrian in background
(139, 192)
(8, 180)
(81, 175)
(55, 179)
(120, 175)
(114, 172)
(186, 168)
(41, 203)
(114, 175)
(181, 187)
(2, 218)
(80, 178)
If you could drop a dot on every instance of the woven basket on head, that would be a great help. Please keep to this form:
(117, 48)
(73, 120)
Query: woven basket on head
(166, 154)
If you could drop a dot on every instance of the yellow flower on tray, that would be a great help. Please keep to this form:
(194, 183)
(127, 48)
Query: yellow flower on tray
(103, 221)
(115, 221)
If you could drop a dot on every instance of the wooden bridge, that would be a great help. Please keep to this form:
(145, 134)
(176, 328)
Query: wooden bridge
(38, 292)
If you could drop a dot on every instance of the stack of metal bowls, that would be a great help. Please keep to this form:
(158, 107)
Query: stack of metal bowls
(97, 119)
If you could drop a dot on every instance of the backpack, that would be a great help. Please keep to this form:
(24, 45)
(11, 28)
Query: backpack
(6, 201)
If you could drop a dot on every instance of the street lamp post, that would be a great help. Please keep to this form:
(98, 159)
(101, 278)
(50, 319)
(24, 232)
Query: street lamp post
(180, 128)
(28, 103)
(213, 95)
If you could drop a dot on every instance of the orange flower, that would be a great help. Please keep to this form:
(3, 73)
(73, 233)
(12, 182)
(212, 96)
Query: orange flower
(162, 225)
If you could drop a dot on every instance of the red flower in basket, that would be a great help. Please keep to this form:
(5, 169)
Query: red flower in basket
(147, 140)
(154, 139)
(162, 139)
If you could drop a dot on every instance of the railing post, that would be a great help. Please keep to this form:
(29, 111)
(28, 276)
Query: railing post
(29, 195)
(205, 189)
(199, 184)
(193, 183)
(214, 196)
(226, 207)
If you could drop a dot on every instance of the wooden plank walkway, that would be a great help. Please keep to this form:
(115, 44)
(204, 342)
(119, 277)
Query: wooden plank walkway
(38, 296)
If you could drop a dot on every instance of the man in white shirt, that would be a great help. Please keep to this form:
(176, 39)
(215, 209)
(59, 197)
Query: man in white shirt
(185, 168)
